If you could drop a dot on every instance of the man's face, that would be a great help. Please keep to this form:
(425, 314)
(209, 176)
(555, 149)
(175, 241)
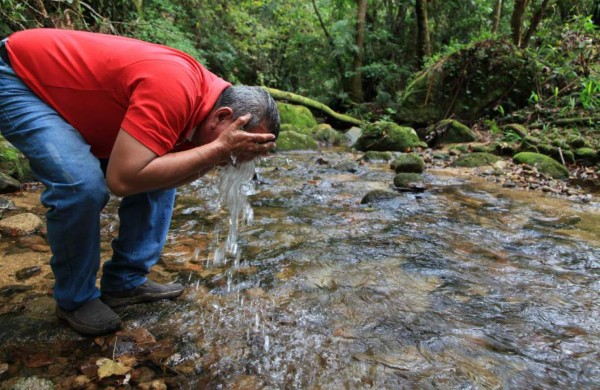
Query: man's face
(209, 131)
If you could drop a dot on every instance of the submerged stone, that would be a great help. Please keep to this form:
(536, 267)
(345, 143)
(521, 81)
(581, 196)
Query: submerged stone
(378, 196)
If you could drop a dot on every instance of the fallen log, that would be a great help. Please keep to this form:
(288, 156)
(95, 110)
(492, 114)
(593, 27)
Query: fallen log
(307, 102)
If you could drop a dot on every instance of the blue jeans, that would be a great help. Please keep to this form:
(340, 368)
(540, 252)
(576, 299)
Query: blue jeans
(75, 194)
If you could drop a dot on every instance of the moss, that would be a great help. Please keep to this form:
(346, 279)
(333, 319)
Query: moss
(372, 155)
(298, 116)
(587, 154)
(291, 140)
(408, 162)
(13, 162)
(476, 160)
(405, 179)
(519, 130)
(544, 164)
(387, 136)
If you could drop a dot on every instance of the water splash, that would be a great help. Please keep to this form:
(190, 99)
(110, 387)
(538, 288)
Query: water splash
(234, 186)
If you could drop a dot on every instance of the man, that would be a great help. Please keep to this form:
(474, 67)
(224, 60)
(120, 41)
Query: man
(94, 113)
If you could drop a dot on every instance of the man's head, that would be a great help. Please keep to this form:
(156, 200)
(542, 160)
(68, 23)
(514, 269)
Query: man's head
(254, 101)
(237, 101)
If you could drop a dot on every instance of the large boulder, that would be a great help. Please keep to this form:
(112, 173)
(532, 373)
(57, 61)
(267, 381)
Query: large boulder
(299, 117)
(469, 82)
(292, 140)
(388, 136)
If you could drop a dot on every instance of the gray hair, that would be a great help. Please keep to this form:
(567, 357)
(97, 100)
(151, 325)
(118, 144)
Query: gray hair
(251, 100)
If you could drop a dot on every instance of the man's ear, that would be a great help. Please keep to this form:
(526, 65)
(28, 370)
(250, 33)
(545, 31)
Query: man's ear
(223, 114)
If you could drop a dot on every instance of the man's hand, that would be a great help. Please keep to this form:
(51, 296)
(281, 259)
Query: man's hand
(241, 145)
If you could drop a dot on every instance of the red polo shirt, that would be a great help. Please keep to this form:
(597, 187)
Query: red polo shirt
(101, 83)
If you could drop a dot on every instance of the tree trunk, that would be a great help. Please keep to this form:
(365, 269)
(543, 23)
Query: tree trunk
(497, 16)
(340, 66)
(356, 84)
(516, 21)
(423, 40)
(535, 22)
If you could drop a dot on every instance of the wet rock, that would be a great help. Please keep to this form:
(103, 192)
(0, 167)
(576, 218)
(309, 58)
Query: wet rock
(13, 289)
(378, 196)
(347, 166)
(409, 182)
(557, 223)
(20, 224)
(28, 272)
(408, 162)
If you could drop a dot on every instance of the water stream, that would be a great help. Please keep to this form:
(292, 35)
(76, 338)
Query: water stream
(465, 285)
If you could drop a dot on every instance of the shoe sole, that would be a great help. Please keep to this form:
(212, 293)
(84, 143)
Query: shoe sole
(142, 298)
(86, 329)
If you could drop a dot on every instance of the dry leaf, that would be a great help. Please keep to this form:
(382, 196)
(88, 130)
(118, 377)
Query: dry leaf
(108, 367)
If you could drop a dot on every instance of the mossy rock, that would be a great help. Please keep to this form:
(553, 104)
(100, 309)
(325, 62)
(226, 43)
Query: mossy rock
(469, 83)
(449, 131)
(373, 155)
(487, 148)
(516, 128)
(578, 142)
(388, 136)
(288, 127)
(327, 134)
(587, 155)
(376, 196)
(13, 163)
(407, 179)
(292, 140)
(478, 159)
(408, 162)
(298, 116)
(544, 164)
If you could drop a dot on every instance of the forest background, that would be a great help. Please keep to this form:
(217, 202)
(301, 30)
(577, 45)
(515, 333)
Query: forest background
(360, 56)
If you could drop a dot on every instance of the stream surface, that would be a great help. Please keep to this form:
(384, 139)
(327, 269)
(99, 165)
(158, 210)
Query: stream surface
(465, 285)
